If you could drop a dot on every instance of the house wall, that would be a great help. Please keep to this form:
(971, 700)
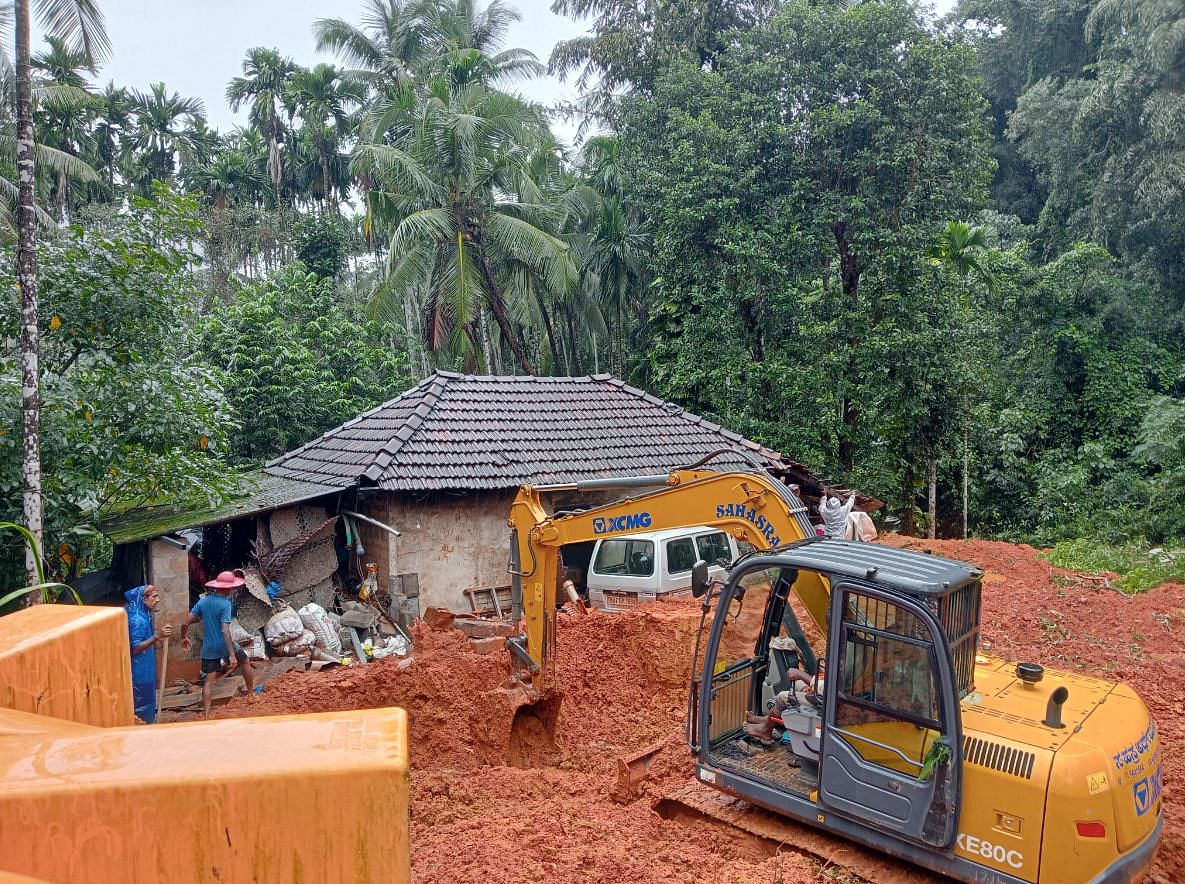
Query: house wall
(451, 543)
(168, 571)
(377, 541)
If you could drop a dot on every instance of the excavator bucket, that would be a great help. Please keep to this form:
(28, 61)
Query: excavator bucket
(632, 770)
(695, 801)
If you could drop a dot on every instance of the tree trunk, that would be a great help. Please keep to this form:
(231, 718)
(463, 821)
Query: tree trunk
(932, 482)
(908, 508)
(547, 327)
(487, 349)
(577, 368)
(26, 270)
(411, 333)
(966, 485)
(498, 308)
(849, 271)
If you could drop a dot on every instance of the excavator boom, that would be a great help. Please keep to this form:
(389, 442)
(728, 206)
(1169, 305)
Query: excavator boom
(752, 506)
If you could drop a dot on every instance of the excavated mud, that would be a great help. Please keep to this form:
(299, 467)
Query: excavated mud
(501, 795)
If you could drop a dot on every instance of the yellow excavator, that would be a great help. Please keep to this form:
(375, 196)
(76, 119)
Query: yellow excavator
(905, 737)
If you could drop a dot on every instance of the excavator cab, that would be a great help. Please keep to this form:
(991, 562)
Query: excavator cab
(875, 742)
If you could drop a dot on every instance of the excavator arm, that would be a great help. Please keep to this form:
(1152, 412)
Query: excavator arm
(752, 506)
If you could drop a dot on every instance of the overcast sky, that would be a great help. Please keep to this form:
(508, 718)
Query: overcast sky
(196, 46)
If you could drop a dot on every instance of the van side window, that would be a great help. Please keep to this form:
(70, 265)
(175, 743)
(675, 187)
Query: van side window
(629, 558)
(680, 555)
(714, 546)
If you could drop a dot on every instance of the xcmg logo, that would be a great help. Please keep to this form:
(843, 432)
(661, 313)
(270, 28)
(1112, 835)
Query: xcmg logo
(627, 522)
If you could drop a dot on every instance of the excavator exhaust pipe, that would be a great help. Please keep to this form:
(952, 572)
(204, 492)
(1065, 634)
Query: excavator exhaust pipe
(1053, 710)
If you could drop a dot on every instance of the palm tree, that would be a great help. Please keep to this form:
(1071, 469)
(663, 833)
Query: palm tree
(233, 177)
(325, 103)
(464, 41)
(616, 241)
(80, 24)
(164, 130)
(457, 193)
(110, 131)
(265, 86)
(959, 247)
(386, 50)
(66, 108)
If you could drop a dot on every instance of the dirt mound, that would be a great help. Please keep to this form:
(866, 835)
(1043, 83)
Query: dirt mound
(478, 815)
(458, 717)
(507, 826)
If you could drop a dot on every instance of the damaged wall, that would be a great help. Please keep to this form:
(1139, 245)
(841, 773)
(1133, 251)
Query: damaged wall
(168, 571)
(451, 543)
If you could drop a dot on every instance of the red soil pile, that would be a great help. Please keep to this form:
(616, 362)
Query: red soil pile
(623, 678)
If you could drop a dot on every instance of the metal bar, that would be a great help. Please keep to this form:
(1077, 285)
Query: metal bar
(518, 648)
(374, 522)
(895, 751)
(730, 702)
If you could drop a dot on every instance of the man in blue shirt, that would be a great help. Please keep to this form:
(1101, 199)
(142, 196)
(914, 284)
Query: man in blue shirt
(220, 655)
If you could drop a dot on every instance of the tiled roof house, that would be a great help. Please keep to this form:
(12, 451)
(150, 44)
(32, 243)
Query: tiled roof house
(441, 464)
(459, 432)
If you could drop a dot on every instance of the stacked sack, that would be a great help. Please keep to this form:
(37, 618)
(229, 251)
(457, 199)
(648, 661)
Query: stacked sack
(286, 633)
(252, 643)
(325, 632)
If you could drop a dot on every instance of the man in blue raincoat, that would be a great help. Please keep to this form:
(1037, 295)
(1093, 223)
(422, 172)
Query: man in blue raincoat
(144, 638)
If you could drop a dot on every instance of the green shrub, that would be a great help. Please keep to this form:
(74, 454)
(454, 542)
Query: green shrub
(1139, 569)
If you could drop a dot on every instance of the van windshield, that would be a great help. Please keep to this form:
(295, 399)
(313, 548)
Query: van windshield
(626, 557)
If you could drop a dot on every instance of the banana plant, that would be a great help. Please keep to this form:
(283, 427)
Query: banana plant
(49, 590)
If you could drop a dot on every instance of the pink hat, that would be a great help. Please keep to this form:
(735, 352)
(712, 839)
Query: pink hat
(225, 580)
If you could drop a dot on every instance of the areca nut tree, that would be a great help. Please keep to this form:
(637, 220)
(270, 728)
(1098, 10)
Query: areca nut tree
(264, 84)
(456, 192)
(164, 129)
(80, 24)
(325, 102)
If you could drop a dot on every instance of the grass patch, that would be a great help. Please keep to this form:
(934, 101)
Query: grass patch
(1139, 569)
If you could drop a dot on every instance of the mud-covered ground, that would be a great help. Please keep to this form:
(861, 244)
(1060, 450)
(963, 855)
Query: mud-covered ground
(489, 808)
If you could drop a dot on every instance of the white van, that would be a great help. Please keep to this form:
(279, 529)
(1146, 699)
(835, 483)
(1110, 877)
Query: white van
(625, 571)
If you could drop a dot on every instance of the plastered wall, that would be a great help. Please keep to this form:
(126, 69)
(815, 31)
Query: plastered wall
(451, 543)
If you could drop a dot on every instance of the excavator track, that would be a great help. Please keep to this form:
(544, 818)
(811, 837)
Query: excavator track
(697, 801)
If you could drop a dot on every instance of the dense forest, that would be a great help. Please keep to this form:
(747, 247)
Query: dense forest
(938, 259)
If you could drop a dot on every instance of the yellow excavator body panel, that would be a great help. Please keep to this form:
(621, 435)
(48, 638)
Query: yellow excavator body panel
(67, 662)
(1028, 784)
(230, 800)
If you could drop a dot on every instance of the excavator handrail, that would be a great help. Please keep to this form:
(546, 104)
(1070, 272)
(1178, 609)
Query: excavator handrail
(752, 504)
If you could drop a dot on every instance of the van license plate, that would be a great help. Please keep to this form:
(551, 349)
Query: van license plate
(618, 600)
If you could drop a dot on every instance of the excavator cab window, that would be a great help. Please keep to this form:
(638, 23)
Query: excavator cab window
(886, 697)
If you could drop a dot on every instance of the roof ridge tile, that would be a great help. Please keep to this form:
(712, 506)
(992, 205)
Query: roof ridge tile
(414, 421)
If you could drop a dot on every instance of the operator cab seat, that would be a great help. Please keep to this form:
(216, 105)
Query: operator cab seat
(801, 720)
